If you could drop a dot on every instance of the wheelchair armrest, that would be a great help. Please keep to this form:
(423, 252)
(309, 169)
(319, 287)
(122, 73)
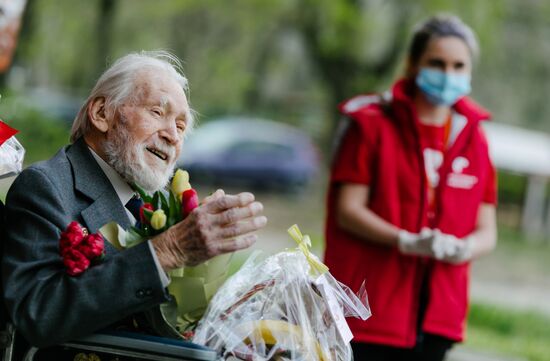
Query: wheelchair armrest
(7, 336)
(146, 344)
(134, 345)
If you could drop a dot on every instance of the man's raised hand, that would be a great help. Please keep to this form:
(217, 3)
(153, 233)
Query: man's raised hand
(221, 224)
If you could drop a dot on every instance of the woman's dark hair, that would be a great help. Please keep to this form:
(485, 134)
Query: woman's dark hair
(438, 26)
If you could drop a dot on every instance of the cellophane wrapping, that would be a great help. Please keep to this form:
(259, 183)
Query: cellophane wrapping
(11, 157)
(276, 308)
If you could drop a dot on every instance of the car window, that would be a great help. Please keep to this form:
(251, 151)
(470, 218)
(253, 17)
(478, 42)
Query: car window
(261, 150)
(209, 141)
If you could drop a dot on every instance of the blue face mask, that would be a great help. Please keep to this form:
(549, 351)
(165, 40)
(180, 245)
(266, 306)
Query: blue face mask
(442, 88)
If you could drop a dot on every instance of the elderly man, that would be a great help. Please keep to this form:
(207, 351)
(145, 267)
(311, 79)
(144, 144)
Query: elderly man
(129, 131)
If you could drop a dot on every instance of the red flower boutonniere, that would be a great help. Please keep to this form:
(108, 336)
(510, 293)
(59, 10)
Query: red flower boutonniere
(80, 249)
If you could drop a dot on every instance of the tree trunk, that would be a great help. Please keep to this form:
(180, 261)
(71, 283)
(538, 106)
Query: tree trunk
(107, 10)
(342, 72)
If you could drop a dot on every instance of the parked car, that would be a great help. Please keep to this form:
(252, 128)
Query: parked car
(255, 152)
(52, 103)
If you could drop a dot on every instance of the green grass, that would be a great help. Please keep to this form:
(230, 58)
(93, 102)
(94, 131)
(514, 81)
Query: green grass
(523, 334)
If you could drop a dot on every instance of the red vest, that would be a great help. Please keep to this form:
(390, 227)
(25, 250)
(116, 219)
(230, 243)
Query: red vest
(382, 150)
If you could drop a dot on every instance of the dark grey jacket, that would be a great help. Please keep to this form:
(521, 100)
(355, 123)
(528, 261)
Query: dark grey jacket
(46, 304)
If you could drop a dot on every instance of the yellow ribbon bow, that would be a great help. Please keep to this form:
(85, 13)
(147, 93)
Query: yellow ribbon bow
(317, 268)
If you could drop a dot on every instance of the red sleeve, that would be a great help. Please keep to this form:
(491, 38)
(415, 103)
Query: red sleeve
(353, 158)
(490, 194)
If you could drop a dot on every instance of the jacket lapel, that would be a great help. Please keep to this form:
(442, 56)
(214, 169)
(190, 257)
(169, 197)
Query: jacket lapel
(90, 180)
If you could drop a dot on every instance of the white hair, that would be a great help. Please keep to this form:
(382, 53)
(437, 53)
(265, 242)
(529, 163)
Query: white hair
(117, 85)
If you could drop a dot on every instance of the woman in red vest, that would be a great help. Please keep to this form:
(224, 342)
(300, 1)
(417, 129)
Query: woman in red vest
(412, 200)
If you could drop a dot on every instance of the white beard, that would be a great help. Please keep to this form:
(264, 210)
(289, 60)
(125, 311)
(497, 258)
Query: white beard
(128, 158)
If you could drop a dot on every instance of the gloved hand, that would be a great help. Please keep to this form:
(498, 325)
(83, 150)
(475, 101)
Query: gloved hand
(448, 248)
(420, 244)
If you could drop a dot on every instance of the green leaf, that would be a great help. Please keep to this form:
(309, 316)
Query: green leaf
(147, 213)
(113, 233)
(164, 203)
(148, 230)
(133, 237)
(175, 209)
(156, 200)
(144, 195)
(139, 231)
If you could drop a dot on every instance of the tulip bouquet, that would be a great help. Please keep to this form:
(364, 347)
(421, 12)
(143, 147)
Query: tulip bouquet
(160, 211)
(191, 287)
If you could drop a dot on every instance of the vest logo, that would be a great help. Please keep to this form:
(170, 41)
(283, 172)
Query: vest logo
(457, 179)
(433, 159)
(459, 164)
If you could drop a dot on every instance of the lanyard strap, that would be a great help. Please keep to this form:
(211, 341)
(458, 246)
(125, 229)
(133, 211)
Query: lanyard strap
(431, 187)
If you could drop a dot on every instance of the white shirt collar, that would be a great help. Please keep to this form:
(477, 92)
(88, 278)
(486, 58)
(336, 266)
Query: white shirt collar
(122, 189)
(125, 193)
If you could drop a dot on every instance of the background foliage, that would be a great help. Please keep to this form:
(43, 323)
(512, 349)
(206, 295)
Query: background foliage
(291, 60)
(288, 60)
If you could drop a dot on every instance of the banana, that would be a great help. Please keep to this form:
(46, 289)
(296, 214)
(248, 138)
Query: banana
(277, 332)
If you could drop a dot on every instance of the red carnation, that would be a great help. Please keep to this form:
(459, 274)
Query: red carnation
(71, 237)
(142, 218)
(75, 262)
(79, 249)
(92, 247)
(189, 201)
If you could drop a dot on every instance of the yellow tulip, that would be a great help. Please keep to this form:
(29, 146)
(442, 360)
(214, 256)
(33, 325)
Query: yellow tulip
(180, 183)
(158, 219)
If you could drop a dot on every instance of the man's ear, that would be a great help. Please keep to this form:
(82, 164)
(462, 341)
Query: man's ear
(97, 114)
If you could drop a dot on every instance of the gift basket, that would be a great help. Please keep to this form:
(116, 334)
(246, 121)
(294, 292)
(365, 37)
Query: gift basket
(284, 307)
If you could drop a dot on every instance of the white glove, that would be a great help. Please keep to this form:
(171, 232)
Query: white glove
(420, 244)
(448, 248)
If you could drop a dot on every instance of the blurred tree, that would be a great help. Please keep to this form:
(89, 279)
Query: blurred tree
(356, 45)
(332, 38)
(107, 9)
(290, 60)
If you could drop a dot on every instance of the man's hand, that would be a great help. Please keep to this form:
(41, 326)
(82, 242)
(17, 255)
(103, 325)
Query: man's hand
(221, 224)
(420, 244)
